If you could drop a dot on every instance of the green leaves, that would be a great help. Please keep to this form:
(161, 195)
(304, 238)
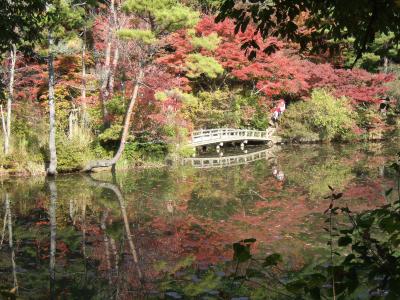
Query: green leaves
(209, 42)
(198, 64)
(144, 36)
(163, 16)
(322, 115)
(20, 22)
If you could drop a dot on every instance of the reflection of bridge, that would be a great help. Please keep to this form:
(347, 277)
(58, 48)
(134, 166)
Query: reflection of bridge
(220, 135)
(213, 162)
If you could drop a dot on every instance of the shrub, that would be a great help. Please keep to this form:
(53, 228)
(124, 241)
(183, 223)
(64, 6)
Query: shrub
(394, 89)
(322, 116)
(227, 108)
(73, 153)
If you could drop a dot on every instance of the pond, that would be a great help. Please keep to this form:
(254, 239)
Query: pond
(116, 236)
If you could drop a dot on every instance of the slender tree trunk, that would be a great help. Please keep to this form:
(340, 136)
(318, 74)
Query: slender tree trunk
(105, 76)
(83, 92)
(53, 230)
(114, 68)
(116, 49)
(52, 169)
(385, 64)
(7, 136)
(4, 126)
(125, 132)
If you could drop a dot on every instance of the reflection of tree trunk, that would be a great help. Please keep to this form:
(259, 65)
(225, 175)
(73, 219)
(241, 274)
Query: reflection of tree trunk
(84, 233)
(115, 253)
(105, 240)
(83, 220)
(124, 135)
(52, 112)
(114, 188)
(11, 243)
(72, 211)
(53, 229)
(3, 232)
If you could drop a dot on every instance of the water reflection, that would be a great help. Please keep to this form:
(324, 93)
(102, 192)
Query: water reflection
(113, 236)
(234, 159)
(7, 223)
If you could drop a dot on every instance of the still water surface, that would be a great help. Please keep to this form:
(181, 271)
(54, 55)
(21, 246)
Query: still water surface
(115, 236)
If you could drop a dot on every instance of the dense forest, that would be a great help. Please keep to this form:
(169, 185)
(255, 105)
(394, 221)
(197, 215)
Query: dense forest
(162, 93)
(90, 84)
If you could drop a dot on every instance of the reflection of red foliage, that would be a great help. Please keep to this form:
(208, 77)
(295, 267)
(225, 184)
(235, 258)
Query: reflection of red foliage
(39, 223)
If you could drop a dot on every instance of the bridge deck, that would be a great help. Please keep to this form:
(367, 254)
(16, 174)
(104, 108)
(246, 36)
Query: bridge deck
(220, 135)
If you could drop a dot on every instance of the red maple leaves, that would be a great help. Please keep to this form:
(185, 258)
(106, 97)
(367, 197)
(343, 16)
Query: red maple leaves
(283, 72)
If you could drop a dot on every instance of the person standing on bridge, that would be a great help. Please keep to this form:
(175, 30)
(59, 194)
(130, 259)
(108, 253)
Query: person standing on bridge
(281, 107)
(278, 111)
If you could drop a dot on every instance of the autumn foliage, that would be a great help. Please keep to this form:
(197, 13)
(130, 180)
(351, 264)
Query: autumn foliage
(284, 72)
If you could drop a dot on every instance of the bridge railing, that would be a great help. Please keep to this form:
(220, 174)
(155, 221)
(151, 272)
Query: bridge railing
(226, 134)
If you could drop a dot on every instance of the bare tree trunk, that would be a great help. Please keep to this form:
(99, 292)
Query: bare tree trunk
(52, 169)
(125, 132)
(53, 231)
(83, 92)
(385, 64)
(4, 126)
(116, 49)
(70, 125)
(113, 69)
(7, 134)
(105, 76)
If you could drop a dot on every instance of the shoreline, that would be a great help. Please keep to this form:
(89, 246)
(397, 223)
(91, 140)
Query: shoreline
(162, 164)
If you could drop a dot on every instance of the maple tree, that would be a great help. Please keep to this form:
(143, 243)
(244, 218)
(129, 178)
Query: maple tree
(280, 73)
(326, 20)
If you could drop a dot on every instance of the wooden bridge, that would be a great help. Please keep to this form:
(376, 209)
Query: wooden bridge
(221, 135)
(235, 160)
